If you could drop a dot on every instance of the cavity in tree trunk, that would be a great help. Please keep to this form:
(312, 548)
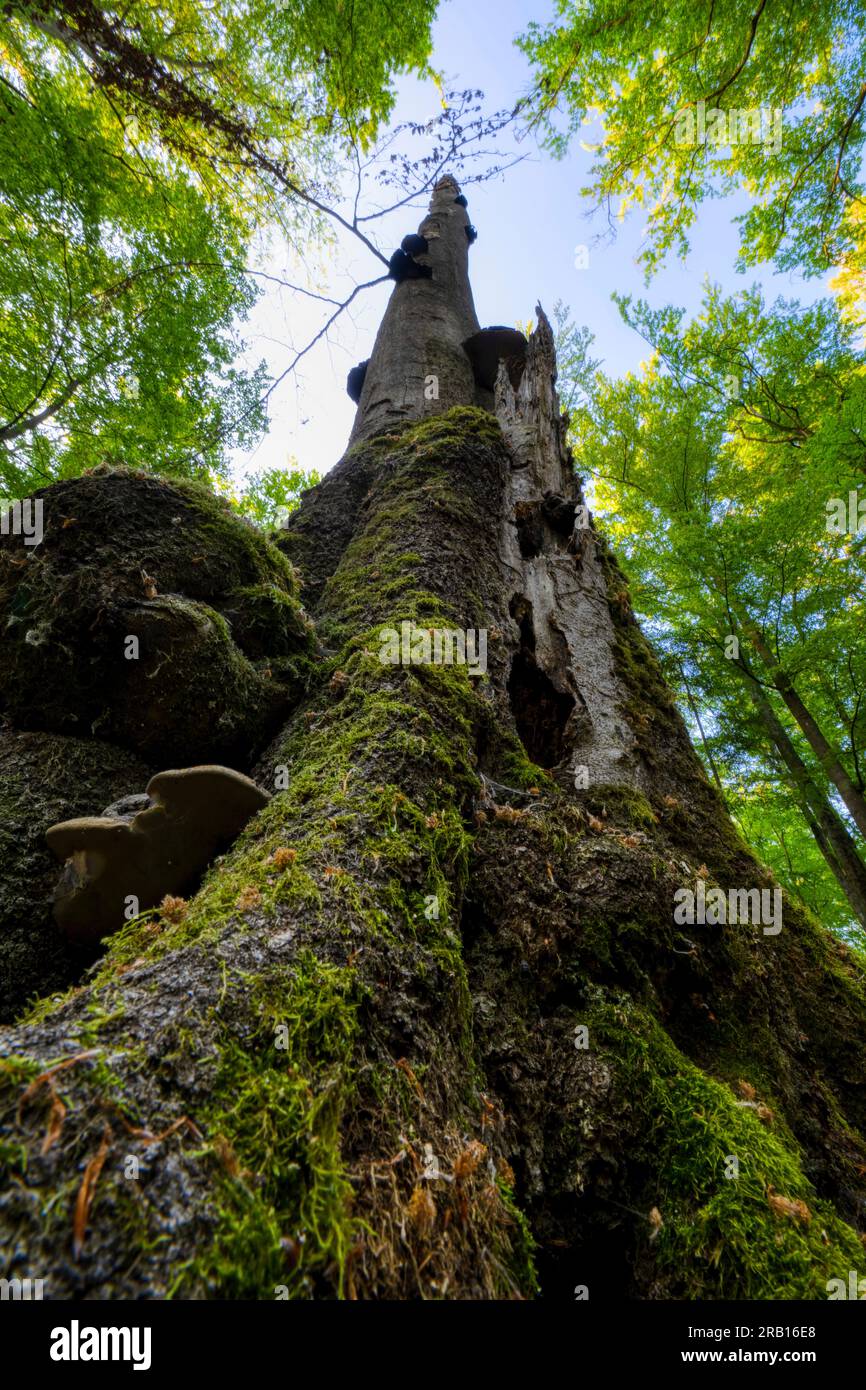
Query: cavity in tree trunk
(431, 1027)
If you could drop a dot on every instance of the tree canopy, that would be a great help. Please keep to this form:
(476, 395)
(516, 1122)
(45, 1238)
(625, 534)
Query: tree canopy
(763, 96)
(141, 147)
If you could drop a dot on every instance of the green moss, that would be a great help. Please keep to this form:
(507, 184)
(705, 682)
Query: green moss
(522, 1251)
(285, 1204)
(517, 769)
(720, 1237)
(364, 857)
(620, 804)
(222, 638)
(441, 433)
(13, 1159)
(270, 620)
(239, 544)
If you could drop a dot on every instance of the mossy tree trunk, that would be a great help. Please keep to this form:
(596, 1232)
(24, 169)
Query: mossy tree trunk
(430, 1029)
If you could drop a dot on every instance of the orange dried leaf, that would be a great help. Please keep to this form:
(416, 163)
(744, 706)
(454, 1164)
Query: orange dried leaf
(55, 1122)
(791, 1207)
(173, 909)
(40, 1080)
(407, 1071)
(469, 1160)
(227, 1156)
(86, 1193)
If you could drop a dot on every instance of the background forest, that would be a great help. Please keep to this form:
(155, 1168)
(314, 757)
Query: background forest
(197, 208)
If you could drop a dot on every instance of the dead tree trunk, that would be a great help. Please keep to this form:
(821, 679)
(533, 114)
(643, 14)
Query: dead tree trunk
(431, 1028)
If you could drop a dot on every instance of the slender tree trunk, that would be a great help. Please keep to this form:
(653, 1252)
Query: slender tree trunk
(827, 756)
(696, 714)
(831, 836)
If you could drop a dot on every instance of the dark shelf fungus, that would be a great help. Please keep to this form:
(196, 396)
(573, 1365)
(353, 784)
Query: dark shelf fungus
(491, 346)
(414, 244)
(402, 267)
(461, 200)
(355, 381)
(147, 851)
(471, 233)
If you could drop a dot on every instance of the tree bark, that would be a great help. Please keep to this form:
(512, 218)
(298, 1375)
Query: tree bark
(430, 1028)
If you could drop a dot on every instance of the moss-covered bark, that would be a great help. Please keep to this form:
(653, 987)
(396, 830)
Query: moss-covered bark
(351, 1064)
(151, 616)
(306, 1023)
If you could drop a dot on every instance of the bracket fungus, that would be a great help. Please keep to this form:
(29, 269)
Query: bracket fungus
(413, 244)
(488, 348)
(355, 381)
(192, 814)
(402, 267)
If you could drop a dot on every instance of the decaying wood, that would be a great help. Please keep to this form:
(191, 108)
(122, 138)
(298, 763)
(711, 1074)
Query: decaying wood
(433, 1005)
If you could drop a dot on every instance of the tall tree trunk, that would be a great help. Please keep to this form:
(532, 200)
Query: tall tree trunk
(430, 1028)
(696, 715)
(827, 756)
(829, 831)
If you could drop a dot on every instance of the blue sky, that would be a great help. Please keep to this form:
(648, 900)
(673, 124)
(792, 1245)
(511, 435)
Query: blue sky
(529, 223)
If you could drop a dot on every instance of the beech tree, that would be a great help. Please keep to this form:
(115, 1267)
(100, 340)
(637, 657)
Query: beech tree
(766, 96)
(439, 1023)
(141, 148)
